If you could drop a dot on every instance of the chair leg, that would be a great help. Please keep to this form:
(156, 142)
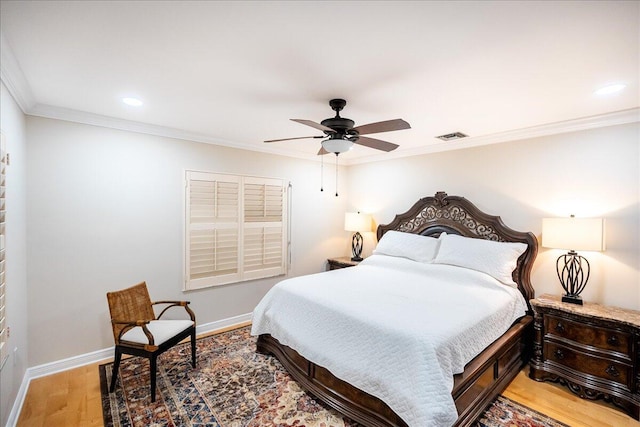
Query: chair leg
(152, 369)
(116, 366)
(193, 347)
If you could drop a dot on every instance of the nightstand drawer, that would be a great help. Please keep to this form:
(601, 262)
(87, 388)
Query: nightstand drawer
(602, 338)
(589, 364)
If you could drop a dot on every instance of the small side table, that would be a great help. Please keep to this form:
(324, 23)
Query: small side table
(341, 262)
(592, 349)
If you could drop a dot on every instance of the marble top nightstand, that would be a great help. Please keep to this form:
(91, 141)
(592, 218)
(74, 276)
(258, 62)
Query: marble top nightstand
(590, 309)
(593, 349)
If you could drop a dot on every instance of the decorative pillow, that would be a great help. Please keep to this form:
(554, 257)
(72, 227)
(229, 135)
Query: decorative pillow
(497, 259)
(407, 245)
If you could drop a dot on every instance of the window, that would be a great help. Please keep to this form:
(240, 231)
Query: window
(235, 228)
(4, 332)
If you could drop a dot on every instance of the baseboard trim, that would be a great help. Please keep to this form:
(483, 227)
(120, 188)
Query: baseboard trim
(17, 404)
(97, 356)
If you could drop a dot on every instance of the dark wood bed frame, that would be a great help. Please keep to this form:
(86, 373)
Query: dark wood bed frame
(485, 376)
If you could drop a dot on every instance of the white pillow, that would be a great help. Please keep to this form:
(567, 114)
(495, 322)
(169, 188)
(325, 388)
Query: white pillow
(497, 259)
(407, 245)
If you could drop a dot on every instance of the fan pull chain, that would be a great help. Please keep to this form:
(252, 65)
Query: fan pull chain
(321, 173)
(336, 174)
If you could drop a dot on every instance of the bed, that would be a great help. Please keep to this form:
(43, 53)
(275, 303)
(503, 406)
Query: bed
(379, 364)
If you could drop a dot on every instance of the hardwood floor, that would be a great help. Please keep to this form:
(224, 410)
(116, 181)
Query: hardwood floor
(72, 398)
(558, 402)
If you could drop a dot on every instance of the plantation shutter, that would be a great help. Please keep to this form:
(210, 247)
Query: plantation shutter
(4, 333)
(213, 204)
(235, 229)
(263, 249)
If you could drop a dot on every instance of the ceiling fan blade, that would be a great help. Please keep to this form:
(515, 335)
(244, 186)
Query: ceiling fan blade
(322, 151)
(298, 137)
(314, 125)
(386, 126)
(376, 143)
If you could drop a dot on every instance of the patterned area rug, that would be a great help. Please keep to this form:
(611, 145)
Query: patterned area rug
(506, 412)
(233, 386)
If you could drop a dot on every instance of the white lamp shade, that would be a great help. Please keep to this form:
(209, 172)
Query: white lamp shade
(578, 234)
(356, 221)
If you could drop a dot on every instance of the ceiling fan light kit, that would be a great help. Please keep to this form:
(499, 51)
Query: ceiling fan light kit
(337, 145)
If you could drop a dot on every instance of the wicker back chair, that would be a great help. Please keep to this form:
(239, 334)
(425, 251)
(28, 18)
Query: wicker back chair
(137, 330)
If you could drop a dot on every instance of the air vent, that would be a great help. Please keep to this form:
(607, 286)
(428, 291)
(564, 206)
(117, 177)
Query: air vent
(452, 136)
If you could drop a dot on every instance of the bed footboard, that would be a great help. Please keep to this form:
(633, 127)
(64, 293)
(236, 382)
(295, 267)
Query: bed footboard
(486, 376)
(338, 394)
(482, 380)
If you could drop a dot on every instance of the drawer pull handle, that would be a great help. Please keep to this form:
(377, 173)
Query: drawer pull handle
(613, 340)
(611, 370)
(560, 327)
(559, 354)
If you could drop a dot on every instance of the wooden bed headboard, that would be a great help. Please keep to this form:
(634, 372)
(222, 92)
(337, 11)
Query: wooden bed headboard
(431, 216)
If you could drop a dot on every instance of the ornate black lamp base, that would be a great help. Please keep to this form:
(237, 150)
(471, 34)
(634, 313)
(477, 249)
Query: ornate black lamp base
(573, 299)
(573, 272)
(356, 246)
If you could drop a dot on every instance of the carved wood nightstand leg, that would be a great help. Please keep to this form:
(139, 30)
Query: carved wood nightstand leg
(537, 360)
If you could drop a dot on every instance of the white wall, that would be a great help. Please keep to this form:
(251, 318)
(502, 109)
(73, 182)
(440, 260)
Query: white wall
(12, 124)
(105, 211)
(591, 173)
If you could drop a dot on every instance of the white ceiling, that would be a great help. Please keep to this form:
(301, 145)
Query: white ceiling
(234, 73)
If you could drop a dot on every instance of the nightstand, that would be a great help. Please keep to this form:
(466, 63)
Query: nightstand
(341, 262)
(592, 349)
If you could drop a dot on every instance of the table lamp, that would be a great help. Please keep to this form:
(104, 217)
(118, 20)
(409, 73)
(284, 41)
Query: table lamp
(573, 234)
(356, 221)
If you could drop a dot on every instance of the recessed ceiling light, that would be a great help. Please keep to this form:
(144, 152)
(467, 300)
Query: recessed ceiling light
(134, 102)
(609, 89)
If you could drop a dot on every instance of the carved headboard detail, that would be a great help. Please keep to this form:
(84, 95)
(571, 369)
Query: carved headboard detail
(431, 216)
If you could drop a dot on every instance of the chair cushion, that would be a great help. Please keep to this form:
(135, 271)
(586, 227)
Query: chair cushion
(162, 330)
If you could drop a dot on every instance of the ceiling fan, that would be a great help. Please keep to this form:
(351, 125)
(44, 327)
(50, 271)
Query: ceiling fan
(341, 133)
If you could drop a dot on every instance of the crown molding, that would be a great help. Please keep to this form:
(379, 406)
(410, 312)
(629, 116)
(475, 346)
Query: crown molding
(585, 123)
(631, 115)
(13, 77)
(77, 116)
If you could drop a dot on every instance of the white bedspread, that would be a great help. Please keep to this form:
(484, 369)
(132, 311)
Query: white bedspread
(395, 328)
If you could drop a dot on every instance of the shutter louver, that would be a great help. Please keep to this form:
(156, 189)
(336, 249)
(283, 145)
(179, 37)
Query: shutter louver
(262, 248)
(262, 203)
(213, 253)
(4, 335)
(213, 201)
